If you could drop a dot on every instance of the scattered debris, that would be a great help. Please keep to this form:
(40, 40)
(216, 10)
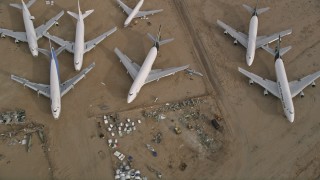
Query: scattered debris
(2, 157)
(113, 143)
(177, 130)
(153, 151)
(156, 99)
(119, 155)
(158, 173)
(215, 124)
(125, 172)
(13, 117)
(29, 139)
(157, 138)
(120, 128)
(183, 166)
(149, 23)
(103, 83)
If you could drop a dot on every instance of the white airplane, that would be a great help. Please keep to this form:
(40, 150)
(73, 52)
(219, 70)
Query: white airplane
(143, 74)
(55, 90)
(282, 89)
(135, 13)
(79, 47)
(252, 41)
(31, 35)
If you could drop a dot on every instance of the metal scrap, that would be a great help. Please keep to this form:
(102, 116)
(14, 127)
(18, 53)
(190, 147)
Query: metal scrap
(13, 117)
(157, 138)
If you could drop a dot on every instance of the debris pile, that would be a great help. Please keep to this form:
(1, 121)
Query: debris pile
(125, 171)
(120, 128)
(158, 113)
(13, 117)
(23, 135)
(157, 138)
(158, 173)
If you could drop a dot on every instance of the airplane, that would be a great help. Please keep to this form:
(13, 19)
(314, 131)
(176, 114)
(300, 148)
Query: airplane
(282, 89)
(55, 90)
(31, 35)
(135, 13)
(142, 75)
(252, 41)
(79, 47)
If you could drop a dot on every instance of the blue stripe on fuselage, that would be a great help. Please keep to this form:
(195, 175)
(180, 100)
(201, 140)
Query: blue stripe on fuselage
(54, 57)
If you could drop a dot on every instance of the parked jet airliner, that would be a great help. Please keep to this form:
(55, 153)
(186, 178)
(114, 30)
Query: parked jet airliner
(252, 41)
(142, 75)
(135, 13)
(79, 47)
(282, 89)
(31, 35)
(54, 90)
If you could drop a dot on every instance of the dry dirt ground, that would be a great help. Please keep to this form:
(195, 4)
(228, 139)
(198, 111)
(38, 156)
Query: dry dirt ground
(257, 141)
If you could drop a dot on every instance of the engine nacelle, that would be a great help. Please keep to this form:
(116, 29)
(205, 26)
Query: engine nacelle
(3, 36)
(265, 92)
(225, 32)
(16, 41)
(313, 84)
(235, 42)
(251, 82)
(56, 23)
(301, 94)
(32, 18)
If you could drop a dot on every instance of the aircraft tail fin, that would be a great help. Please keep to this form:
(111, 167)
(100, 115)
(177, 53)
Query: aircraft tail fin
(157, 40)
(255, 11)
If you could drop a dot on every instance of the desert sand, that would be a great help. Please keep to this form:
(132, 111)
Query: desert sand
(257, 140)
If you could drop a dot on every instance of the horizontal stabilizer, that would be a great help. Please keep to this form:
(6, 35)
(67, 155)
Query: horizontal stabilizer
(44, 51)
(58, 51)
(248, 8)
(73, 14)
(87, 13)
(262, 10)
(19, 6)
(161, 42)
(284, 50)
(269, 50)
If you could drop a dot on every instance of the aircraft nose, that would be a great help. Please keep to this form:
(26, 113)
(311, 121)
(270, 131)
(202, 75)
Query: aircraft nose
(131, 97)
(290, 117)
(35, 53)
(77, 66)
(249, 60)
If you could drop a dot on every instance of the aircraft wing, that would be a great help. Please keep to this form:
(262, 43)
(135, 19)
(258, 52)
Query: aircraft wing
(91, 44)
(270, 86)
(160, 73)
(124, 7)
(146, 13)
(263, 40)
(67, 85)
(297, 86)
(68, 44)
(40, 88)
(132, 67)
(44, 28)
(239, 36)
(21, 36)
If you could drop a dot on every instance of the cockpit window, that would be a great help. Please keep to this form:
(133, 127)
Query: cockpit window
(55, 110)
(290, 112)
(130, 94)
(77, 62)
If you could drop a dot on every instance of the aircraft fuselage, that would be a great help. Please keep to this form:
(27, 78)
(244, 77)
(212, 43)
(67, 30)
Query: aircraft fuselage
(79, 44)
(30, 31)
(142, 74)
(284, 90)
(133, 13)
(252, 38)
(55, 95)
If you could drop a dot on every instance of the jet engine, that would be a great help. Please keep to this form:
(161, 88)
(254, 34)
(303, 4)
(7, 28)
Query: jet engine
(3, 36)
(56, 23)
(235, 42)
(265, 92)
(313, 84)
(301, 94)
(251, 82)
(225, 32)
(16, 41)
